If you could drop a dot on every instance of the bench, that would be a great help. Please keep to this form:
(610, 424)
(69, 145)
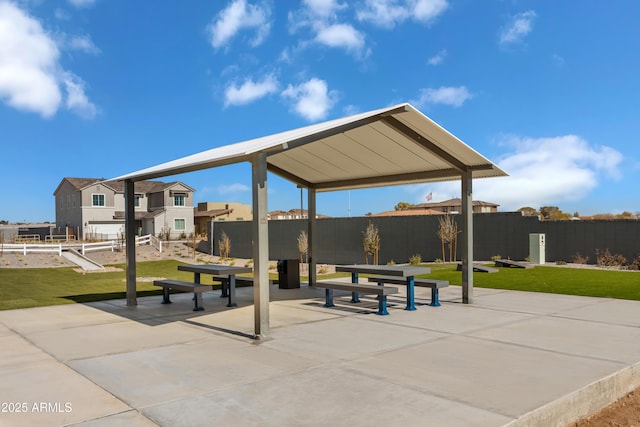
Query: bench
(196, 288)
(480, 268)
(435, 285)
(240, 280)
(355, 289)
(514, 264)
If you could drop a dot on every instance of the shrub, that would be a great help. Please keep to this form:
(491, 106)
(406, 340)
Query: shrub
(371, 243)
(415, 259)
(224, 245)
(392, 262)
(606, 259)
(579, 259)
(438, 261)
(323, 270)
(448, 233)
(561, 262)
(496, 258)
(303, 246)
(635, 264)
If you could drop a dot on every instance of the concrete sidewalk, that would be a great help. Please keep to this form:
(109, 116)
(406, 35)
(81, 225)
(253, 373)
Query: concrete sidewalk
(511, 358)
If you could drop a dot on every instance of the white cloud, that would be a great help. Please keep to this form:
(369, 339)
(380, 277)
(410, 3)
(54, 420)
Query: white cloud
(388, 13)
(384, 13)
(84, 44)
(446, 95)
(61, 15)
(543, 171)
(518, 27)
(82, 3)
(77, 101)
(326, 29)
(350, 110)
(341, 35)
(237, 16)
(427, 10)
(324, 8)
(558, 60)
(250, 91)
(28, 60)
(30, 74)
(311, 99)
(232, 188)
(437, 58)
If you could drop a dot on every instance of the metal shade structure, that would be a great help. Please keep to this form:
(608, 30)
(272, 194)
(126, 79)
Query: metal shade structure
(389, 146)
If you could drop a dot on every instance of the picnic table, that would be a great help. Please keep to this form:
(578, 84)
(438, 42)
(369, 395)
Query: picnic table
(408, 272)
(228, 271)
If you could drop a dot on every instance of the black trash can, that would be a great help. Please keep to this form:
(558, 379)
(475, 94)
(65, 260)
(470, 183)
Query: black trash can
(288, 273)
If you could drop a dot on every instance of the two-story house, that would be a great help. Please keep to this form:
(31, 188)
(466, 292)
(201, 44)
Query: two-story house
(95, 208)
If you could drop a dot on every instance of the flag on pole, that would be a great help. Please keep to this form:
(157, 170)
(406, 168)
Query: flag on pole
(429, 197)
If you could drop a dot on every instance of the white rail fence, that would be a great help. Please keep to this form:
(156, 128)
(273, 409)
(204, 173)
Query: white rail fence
(83, 248)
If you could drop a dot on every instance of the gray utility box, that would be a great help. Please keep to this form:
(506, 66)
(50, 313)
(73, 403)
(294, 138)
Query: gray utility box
(288, 273)
(536, 248)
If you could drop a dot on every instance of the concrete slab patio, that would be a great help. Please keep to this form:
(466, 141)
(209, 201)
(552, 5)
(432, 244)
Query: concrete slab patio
(510, 359)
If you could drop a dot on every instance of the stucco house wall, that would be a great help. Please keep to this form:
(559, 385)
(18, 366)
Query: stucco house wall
(156, 211)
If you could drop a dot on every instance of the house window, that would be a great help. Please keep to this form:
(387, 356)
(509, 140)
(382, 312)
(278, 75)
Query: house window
(178, 200)
(179, 224)
(97, 200)
(136, 201)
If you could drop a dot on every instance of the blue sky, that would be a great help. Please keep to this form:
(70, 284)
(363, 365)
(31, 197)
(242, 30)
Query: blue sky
(548, 90)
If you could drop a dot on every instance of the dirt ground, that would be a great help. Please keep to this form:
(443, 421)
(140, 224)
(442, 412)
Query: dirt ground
(623, 413)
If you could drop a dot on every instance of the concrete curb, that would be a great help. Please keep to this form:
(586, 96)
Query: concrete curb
(583, 402)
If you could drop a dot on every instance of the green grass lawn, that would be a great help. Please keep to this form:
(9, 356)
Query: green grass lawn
(21, 288)
(569, 281)
(556, 280)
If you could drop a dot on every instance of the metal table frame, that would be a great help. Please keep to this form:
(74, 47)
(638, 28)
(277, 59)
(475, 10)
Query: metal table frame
(407, 271)
(218, 269)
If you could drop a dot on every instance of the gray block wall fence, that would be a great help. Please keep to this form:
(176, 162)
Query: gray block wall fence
(504, 233)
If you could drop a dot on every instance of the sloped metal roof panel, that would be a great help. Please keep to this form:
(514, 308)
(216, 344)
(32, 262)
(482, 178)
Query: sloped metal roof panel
(388, 146)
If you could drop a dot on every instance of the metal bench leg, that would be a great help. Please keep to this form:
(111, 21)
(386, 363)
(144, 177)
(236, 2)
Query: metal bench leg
(165, 295)
(197, 296)
(410, 294)
(355, 298)
(382, 306)
(328, 296)
(225, 289)
(435, 300)
(379, 296)
(196, 279)
(232, 291)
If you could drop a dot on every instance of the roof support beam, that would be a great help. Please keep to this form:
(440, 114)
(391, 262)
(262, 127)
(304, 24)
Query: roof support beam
(289, 176)
(260, 232)
(312, 244)
(130, 236)
(467, 237)
(444, 175)
(421, 140)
